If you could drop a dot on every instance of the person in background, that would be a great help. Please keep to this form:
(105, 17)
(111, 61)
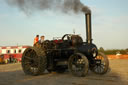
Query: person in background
(36, 39)
(41, 39)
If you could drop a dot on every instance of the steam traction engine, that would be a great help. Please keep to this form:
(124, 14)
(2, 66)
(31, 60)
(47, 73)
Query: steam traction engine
(70, 52)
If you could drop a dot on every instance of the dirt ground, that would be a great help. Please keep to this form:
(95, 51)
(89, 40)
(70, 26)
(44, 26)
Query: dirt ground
(12, 74)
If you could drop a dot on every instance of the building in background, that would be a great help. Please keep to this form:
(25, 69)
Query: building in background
(10, 54)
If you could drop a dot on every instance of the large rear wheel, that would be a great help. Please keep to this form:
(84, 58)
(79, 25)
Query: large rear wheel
(78, 64)
(33, 61)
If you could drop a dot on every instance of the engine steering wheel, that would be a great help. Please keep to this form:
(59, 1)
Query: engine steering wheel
(66, 37)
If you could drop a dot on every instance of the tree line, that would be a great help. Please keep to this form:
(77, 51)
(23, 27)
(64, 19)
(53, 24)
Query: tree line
(113, 51)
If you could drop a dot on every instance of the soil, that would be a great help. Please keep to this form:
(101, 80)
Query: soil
(12, 74)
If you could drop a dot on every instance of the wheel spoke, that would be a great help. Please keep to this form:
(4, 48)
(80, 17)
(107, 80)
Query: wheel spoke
(99, 69)
(27, 68)
(27, 63)
(34, 70)
(29, 58)
(95, 68)
(102, 65)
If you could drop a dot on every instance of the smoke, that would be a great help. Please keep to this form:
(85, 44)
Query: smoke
(64, 6)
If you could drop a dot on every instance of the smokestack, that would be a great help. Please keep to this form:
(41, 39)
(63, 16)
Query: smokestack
(88, 28)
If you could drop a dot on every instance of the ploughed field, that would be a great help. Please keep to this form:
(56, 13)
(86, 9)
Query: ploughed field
(12, 74)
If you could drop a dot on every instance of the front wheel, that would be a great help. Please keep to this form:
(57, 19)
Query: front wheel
(100, 65)
(78, 64)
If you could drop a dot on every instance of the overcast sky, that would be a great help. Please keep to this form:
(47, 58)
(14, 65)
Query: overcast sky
(109, 24)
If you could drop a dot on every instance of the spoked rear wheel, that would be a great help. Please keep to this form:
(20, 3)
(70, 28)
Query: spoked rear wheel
(78, 65)
(33, 61)
(101, 64)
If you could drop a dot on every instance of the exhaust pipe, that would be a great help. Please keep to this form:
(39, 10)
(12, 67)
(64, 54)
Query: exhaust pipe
(88, 28)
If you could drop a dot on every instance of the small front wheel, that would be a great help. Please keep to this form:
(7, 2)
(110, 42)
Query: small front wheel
(101, 64)
(78, 64)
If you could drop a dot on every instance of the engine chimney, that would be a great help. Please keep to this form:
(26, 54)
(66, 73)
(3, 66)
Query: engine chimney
(88, 28)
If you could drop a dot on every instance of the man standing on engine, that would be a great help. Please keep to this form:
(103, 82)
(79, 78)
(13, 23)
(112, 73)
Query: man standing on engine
(41, 39)
(36, 39)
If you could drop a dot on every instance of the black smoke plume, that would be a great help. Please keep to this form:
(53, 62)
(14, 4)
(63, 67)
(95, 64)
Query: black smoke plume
(64, 6)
